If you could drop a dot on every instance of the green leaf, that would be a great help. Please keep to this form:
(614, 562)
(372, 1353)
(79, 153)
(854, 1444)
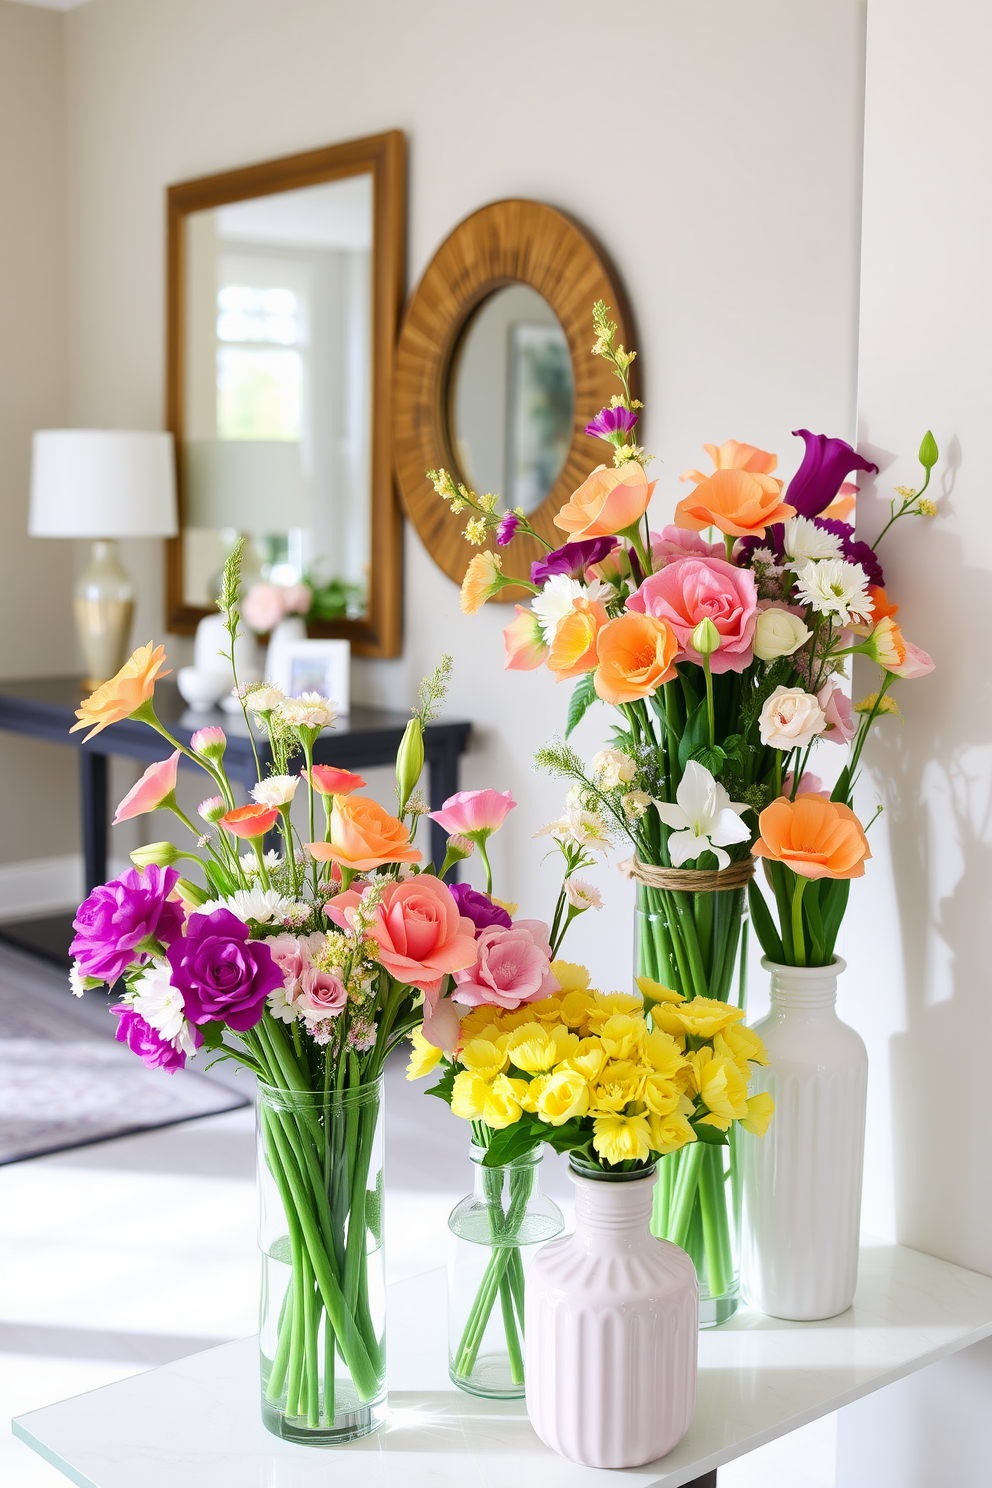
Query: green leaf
(814, 923)
(712, 759)
(512, 1142)
(732, 746)
(929, 454)
(444, 1086)
(833, 904)
(710, 1135)
(764, 925)
(583, 696)
(694, 735)
(193, 892)
(213, 1034)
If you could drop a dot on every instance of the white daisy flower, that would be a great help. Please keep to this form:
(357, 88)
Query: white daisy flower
(807, 543)
(76, 984)
(582, 895)
(555, 600)
(276, 790)
(703, 816)
(155, 999)
(309, 710)
(264, 699)
(265, 906)
(587, 828)
(834, 587)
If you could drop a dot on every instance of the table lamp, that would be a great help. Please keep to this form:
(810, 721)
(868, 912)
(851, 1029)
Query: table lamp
(102, 484)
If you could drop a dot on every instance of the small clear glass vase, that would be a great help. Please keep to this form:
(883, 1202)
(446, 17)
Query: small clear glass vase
(697, 944)
(322, 1321)
(493, 1236)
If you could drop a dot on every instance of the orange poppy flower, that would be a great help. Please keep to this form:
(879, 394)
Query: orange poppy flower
(739, 502)
(573, 650)
(636, 655)
(124, 694)
(607, 502)
(814, 837)
(253, 820)
(732, 455)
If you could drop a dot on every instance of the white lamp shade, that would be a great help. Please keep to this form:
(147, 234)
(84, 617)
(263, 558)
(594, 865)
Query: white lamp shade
(250, 485)
(102, 483)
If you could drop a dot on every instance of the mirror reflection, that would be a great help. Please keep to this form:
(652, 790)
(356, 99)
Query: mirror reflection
(277, 401)
(512, 397)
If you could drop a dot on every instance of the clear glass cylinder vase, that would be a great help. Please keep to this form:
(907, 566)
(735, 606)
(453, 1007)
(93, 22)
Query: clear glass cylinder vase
(322, 1317)
(696, 943)
(493, 1236)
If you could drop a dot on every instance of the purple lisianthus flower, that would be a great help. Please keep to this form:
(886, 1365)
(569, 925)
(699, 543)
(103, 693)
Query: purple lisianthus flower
(118, 916)
(508, 525)
(221, 973)
(855, 551)
(826, 464)
(573, 559)
(145, 1041)
(479, 908)
(611, 421)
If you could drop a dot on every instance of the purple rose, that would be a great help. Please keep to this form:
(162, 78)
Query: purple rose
(479, 908)
(221, 973)
(508, 525)
(853, 550)
(826, 464)
(611, 421)
(573, 559)
(145, 1041)
(119, 915)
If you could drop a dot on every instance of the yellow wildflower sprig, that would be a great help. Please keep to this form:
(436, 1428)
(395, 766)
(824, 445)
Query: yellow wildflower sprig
(914, 504)
(606, 346)
(486, 519)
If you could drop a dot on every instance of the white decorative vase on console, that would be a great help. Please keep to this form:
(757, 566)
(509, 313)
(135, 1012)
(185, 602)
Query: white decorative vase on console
(802, 1180)
(611, 1318)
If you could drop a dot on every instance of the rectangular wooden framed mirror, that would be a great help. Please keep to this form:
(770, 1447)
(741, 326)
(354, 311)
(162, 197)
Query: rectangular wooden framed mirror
(285, 287)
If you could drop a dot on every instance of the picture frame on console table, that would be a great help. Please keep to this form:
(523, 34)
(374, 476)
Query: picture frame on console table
(296, 667)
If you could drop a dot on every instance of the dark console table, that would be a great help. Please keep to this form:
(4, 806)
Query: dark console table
(44, 708)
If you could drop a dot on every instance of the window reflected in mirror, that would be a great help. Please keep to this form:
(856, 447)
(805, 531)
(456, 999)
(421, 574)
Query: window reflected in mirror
(277, 393)
(511, 398)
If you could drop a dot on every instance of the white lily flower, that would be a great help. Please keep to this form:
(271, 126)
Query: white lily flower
(703, 818)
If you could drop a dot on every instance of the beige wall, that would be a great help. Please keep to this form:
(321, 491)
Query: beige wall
(713, 147)
(39, 780)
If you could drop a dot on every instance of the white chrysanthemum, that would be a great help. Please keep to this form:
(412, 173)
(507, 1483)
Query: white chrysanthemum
(280, 1007)
(834, 587)
(611, 767)
(587, 828)
(703, 818)
(265, 906)
(276, 790)
(309, 710)
(582, 895)
(264, 699)
(271, 859)
(555, 600)
(155, 999)
(807, 543)
(76, 984)
(634, 804)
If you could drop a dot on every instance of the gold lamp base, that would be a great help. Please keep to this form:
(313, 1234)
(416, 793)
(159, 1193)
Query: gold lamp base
(104, 606)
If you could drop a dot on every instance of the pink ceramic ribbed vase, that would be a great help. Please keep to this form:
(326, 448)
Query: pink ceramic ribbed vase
(611, 1317)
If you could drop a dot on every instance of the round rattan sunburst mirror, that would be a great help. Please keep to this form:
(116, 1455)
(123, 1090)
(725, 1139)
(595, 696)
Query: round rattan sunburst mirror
(506, 243)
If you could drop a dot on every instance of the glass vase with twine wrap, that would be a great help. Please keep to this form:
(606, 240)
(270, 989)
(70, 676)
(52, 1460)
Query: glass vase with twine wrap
(691, 933)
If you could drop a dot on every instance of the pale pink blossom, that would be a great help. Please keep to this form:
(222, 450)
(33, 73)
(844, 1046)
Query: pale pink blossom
(322, 994)
(264, 606)
(679, 542)
(917, 663)
(474, 813)
(151, 791)
(212, 809)
(839, 713)
(514, 967)
(809, 785)
(210, 742)
(297, 599)
(790, 719)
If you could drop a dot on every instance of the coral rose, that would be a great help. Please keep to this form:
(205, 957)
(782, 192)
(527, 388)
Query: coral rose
(573, 650)
(813, 837)
(607, 502)
(422, 934)
(691, 590)
(124, 694)
(636, 655)
(364, 836)
(740, 503)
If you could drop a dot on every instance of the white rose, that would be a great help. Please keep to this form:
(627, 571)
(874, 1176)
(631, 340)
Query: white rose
(778, 633)
(791, 719)
(612, 768)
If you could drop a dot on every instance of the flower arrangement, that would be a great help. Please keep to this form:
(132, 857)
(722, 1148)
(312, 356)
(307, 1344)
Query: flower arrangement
(721, 642)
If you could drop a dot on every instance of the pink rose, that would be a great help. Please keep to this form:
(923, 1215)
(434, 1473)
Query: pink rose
(836, 705)
(293, 954)
(690, 590)
(678, 542)
(421, 933)
(322, 994)
(514, 967)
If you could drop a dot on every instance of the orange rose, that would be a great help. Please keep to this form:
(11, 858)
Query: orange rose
(814, 837)
(364, 836)
(124, 694)
(636, 655)
(607, 502)
(734, 456)
(573, 650)
(739, 502)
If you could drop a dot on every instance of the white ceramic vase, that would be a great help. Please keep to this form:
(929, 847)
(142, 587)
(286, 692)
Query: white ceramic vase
(611, 1317)
(802, 1179)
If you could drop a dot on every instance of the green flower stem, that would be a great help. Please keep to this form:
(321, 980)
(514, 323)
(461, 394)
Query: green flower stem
(716, 1225)
(684, 1194)
(710, 710)
(485, 859)
(798, 938)
(510, 1328)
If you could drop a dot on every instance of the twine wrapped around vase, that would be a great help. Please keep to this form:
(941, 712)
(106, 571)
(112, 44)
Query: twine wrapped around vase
(690, 880)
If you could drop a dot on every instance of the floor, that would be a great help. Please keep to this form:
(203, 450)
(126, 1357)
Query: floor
(123, 1255)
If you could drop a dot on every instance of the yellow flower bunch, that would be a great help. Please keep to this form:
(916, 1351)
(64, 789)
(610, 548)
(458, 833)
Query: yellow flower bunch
(619, 1078)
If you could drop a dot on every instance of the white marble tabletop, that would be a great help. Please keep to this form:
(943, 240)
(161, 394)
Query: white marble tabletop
(196, 1423)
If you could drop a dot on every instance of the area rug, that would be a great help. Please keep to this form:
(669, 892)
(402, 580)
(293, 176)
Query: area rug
(64, 1080)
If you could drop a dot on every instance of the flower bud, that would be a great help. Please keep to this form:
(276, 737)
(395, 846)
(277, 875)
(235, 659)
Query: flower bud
(459, 847)
(210, 742)
(706, 638)
(212, 809)
(161, 854)
(409, 761)
(928, 451)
